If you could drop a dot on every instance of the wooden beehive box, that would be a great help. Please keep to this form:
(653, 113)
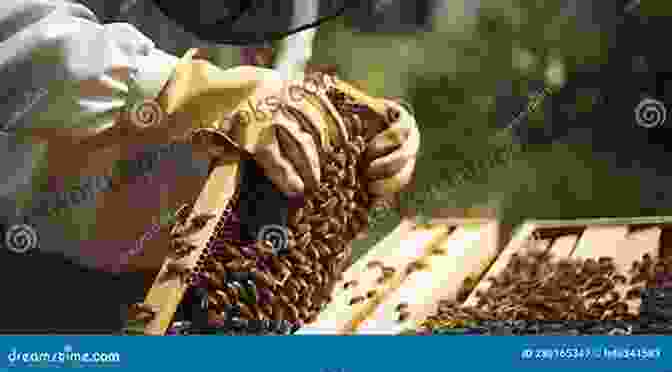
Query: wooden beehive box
(624, 239)
(416, 264)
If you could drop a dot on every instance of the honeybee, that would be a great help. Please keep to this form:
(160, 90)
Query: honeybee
(350, 284)
(403, 316)
(401, 307)
(181, 248)
(196, 224)
(143, 312)
(199, 221)
(177, 269)
(182, 213)
(357, 300)
(374, 264)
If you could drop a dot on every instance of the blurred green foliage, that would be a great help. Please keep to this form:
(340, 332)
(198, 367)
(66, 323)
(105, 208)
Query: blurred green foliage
(451, 77)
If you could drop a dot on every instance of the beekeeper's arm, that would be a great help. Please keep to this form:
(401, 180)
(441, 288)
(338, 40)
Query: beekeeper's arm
(68, 78)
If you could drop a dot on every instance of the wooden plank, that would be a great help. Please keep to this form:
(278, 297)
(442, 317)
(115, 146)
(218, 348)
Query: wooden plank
(396, 251)
(563, 246)
(467, 252)
(602, 221)
(614, 241)
(599, 241)
(168, 290)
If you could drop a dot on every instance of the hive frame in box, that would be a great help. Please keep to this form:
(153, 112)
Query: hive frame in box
(169, 286)
(585, 238)
(377, 314)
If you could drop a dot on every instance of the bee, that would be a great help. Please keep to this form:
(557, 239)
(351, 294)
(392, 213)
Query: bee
(323, 229)
(219, 269)
(223, 297)
(245, 311)
(298, 256)
(614, 297)
(437, 251)
(228, 251)
(303, 269)
(388, 271)
(634, 293)
(403, 316)
(268, 310)
(374, 264)
(357, 300)
(351, 148)
(292, 294)
(416, 266)
(214, 281)
(401, 307)
(356, 124)
(197, 223)
(303, 241)
(330, 205)
(303, 228)
(143, 312)
(283, 298)
(296, 218)
(305, 313)
(235, 266)
(182, 213)
(313, 251)
(177, 269)
(181, 248)
(302, 282)
(339, 158)
(350, 284)
(264, 247)
(319, 278)
(293, 312)
(331, 169)
(284, 278)
(265, 279)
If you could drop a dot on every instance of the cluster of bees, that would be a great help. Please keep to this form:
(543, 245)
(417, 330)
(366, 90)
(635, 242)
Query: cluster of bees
(536, 287)
(295, 284)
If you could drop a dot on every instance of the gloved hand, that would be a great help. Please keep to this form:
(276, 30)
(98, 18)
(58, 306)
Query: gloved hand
(392, 154)
(234, 104)
(392, 137)
(388, 126)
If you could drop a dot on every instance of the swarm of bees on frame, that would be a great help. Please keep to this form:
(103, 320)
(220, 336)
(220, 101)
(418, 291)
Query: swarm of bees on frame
(295, 284)
(535, 287)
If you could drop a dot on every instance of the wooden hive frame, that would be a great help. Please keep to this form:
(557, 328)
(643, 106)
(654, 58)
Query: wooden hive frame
(170, 285)
(448, 255)
(624, 239)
